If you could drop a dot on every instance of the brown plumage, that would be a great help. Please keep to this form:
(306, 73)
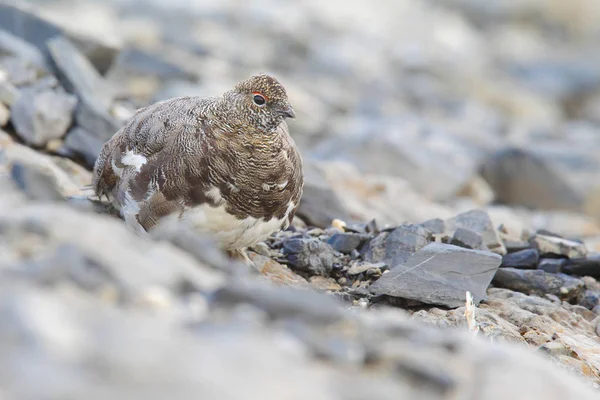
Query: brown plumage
(227, 164)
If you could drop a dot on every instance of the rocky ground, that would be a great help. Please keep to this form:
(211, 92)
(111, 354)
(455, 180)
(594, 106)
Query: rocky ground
(449, 149)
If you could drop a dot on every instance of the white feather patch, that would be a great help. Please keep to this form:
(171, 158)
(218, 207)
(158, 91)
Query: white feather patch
(133, 160)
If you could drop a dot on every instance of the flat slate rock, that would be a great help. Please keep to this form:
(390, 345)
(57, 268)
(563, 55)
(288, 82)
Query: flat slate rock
(440, 274)
(467, 238)
(524, 259)
(538, 282)
(588, 266)
(396, 247)
(552, 265)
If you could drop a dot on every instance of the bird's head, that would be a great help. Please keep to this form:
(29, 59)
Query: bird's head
(261, 102)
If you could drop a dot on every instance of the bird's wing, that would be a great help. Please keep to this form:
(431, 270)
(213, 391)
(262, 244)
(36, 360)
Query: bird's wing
(148, 164)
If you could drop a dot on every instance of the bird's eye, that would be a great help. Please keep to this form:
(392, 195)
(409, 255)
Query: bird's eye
(259, 100)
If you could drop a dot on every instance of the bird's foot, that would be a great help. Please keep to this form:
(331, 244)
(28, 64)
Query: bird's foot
(241, 256)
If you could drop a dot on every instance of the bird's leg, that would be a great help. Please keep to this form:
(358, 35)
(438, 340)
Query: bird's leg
(240, 255)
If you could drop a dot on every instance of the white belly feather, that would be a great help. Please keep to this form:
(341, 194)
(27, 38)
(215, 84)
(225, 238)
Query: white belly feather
(230, 232)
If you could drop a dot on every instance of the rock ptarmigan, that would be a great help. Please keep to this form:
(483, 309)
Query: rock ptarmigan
(225, 164)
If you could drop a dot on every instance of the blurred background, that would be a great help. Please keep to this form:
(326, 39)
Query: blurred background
(419, 109)
(407, 111)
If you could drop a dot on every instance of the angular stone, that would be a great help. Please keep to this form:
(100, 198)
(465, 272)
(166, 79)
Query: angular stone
(559, 246)
(8, 93)
(11, 44)
(589, 299)
(440, 274)
(552, 175)
(478, 221)
(34, 182)
(538, 282)
(467, 238)
(397, 246)
(80, 142)
(20, 72)
(78, 75)
(588, 266)
(524, 259)
(22, 21)
(346, 242)
(319, 204)
(514, 246)
(436, 225)
(309, 255)
(39, 117)
(552, 265)
(275, 272)
(324, 283)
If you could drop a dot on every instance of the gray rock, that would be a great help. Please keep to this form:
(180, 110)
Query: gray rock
(135, 62)
(538, 282)
(559, 175)
(280, 302)
(319, 204)
(589, 299)
(514, 246)
(478, 221)
(8, 93)
(83, 143)
(559, 246)
(467, 238)
(588, 266)
(440, 274)
(346, 242)
(20, 19)
(524, 259)
(552, 265)
(14, 45)
(397, 246)
(310, 255)
(436, 225)
(95, 95)
(362, 268)
(20, 72)
(39, 117)
(34, 182)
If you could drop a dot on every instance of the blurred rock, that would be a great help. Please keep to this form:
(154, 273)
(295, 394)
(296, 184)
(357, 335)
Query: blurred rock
(478, 221)
(546, 176)
(524, 259)
(589, 299)
(558, 246)
(80, 142)
(19, 19)
(35, 183)
(396, 247)
(95, 95)
(275, 272)
(23, 50)
(346, 242)
(319, 204)
(467, 238)
(552, 265)
(4, 115)
(8, 92)
(309, 255)
(588, 266)
(538, 282)
(39, 117)
(440, 274)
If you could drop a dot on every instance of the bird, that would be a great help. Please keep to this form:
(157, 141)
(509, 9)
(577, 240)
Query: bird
(227, 165)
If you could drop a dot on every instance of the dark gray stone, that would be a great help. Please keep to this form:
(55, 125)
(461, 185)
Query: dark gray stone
(39, 117)
(524, 259)
(588, 266)
(20, 20)
(538, 282)
(552, 265)
(347, 242)
(589, 299)
(78, 76)
(35, 183)
(440, 274)
(478, 221)
(467, 238)
(80, 142)
(436, 225)
(309, 255)
(319, 204)
(395, 247)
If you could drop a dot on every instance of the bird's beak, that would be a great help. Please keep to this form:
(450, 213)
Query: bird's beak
(288, 112)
